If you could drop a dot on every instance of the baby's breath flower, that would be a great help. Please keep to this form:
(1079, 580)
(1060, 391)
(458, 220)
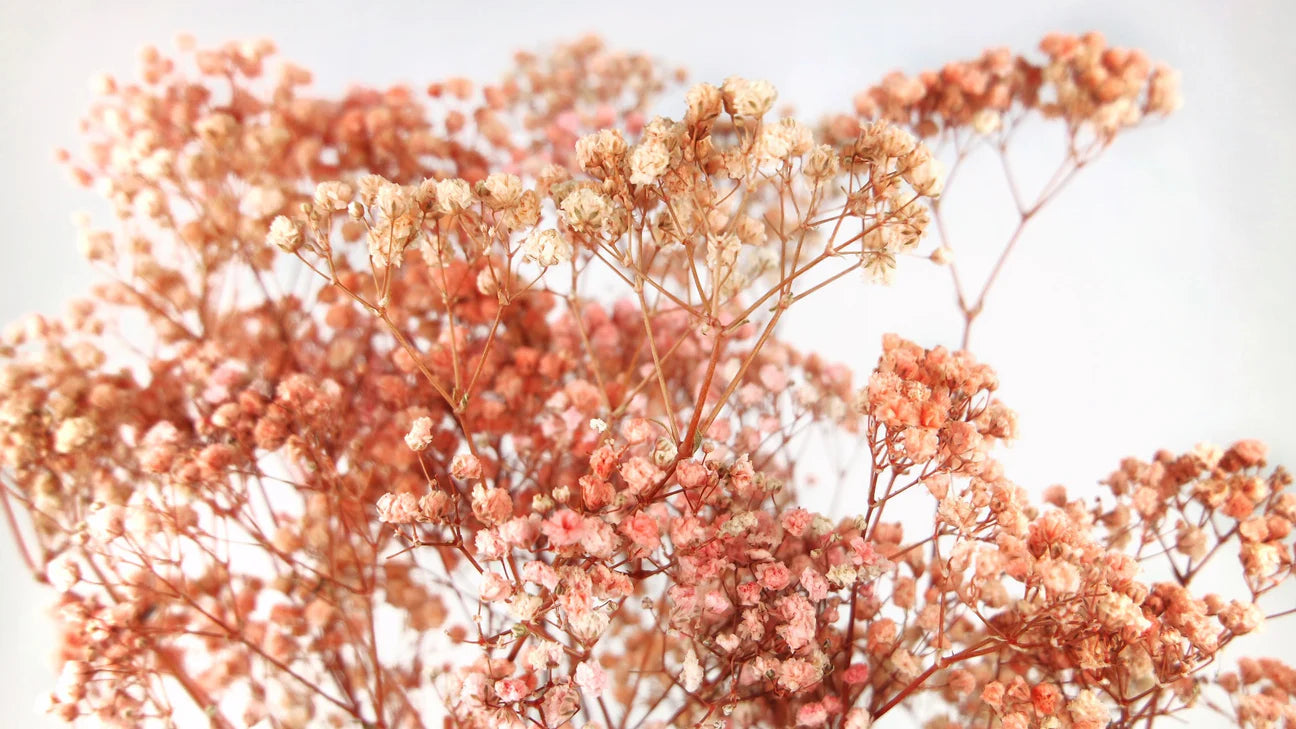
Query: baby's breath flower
(664, 452)
(261, 201)
(784, 140)
(739, 523)
(453, 196)
(722, 251)
(841, 575)
(72, 434)
(63, 572)
(743, 98)
(879, 267)
(398, 508)
(466, 466)
(420, 434)
(1163, 91)
(284, 235)
(547, 247)
(648, 161)
(601, 151)
(591, 679)
(333, 195)
(704, 102)
(585, 210)
(821, 163)
(986, 121)
(1087, 711)
(524, 607)
(691, 674)
(821, 525)
(924, 172)
(500, 190)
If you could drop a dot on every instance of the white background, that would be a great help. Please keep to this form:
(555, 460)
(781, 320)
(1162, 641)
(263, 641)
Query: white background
(1150, 307)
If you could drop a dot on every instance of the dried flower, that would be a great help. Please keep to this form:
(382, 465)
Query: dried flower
(547, 247)
(581, 502)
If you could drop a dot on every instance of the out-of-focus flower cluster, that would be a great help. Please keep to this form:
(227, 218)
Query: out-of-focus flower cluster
(1084, 82)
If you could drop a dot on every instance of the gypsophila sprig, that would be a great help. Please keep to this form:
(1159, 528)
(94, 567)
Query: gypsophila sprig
(534, 416)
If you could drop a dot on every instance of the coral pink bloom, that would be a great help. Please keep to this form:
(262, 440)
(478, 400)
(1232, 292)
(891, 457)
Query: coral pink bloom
(564, 528)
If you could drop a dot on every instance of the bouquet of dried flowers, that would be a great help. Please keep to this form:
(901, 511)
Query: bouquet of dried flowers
(468, 406)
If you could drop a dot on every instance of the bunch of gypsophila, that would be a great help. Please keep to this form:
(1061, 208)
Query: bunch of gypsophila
(469, 409)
